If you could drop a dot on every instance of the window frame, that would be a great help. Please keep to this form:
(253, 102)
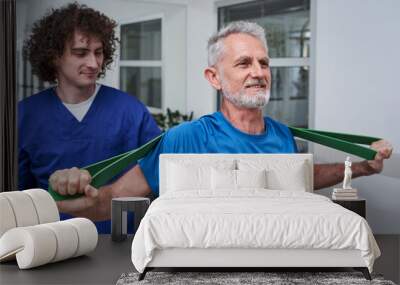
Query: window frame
(292, 61)
(142, 63)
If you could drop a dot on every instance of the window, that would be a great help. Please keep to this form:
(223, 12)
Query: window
(287, 26)
(140, 61)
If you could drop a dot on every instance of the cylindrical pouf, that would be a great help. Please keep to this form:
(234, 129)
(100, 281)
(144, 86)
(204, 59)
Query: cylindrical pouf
(7, 218)
(40, 244)
(23, 208)
(67, 239)
(119, 209)
(33, 246)
(45, 205)
(87, 235)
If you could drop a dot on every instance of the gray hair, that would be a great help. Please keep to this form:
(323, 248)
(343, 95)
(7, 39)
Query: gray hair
(215, 43)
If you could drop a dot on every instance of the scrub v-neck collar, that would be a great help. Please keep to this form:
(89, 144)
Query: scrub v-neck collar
(69, 116)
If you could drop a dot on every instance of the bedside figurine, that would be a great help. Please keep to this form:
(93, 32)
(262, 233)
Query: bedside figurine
(346, 192)
(347, 174)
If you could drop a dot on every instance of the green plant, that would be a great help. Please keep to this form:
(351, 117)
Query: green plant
(171, 119)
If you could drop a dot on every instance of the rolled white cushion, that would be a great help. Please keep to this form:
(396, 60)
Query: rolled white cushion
(33, 246)
(67, 240)
(45, 205)
(7, 217)
(87, 235)
(40, 244)
(23, 208)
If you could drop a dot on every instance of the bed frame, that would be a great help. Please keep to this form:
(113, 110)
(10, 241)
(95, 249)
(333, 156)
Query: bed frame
(245, 258)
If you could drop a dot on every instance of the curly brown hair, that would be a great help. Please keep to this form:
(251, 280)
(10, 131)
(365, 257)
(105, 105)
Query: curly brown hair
(51, 33)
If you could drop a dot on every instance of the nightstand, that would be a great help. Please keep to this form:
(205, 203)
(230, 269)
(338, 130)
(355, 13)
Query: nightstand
(358, 206)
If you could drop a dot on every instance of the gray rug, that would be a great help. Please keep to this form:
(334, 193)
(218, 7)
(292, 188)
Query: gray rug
(269, 278)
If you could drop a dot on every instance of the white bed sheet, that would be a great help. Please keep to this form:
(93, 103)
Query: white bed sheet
(251, 218)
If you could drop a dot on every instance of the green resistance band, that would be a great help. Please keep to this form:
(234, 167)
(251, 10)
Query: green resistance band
(345, 142)
(103, 171)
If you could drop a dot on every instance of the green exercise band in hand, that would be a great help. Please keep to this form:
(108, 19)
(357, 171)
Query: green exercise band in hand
(344, 142)
(105, 170)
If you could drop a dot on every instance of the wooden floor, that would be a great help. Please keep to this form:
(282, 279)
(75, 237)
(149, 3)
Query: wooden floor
(106, 264)
(389, 262)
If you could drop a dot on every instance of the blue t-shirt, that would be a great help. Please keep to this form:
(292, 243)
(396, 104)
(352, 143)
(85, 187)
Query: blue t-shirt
(51, 138)
(215, 134)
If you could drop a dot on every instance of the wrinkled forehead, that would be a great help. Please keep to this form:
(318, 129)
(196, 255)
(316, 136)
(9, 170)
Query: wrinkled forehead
(242, 45)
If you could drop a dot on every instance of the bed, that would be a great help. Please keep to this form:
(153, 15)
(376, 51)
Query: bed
(246, 211)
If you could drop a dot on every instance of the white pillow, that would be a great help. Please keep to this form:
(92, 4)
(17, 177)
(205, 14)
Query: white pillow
(223, 179)
(182, 177)
(282, 174)
(237, 179)
(187, 174)
(251, 178)
(292, 178)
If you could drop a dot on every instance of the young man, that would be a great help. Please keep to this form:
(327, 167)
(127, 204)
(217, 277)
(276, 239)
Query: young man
(77, 122)
(239, 68)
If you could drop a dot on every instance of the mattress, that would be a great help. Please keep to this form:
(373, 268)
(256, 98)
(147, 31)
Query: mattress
(251, 219)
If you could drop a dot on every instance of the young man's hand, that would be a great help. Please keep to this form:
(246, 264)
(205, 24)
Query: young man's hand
(95, 204)
(70, 181)
(74, 181)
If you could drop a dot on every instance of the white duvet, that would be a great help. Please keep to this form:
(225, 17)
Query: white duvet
(252, 218)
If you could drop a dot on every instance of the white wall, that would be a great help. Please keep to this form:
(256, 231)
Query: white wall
(356, 90)
(202, 23)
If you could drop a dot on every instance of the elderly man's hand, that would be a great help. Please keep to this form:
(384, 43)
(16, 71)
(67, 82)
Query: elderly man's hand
(74, 181)
(384, 151)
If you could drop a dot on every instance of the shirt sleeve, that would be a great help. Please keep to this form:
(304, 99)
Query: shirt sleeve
(148, 129)
(149, 166)
(180, 139)
(139, 128)
(150, 163)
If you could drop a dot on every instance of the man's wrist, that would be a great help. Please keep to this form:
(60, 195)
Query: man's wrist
(104, 202)
(362, 168)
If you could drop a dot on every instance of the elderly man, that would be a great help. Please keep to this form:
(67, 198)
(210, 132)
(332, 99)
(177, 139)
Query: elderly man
(239, 68)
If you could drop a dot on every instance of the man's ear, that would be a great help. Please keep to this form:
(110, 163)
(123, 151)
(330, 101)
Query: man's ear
(211, 74)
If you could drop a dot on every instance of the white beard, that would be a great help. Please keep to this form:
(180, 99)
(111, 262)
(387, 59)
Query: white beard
(240, 99)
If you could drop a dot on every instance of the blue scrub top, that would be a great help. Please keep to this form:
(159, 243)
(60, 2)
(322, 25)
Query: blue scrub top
(51, 138)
